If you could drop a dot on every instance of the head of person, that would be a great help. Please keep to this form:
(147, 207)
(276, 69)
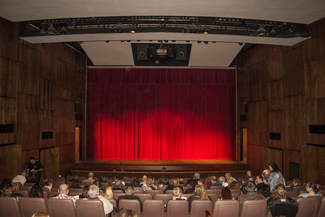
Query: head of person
(91, 175)
(250, 187)
(22, 172)
(181, 178)
(149, 181)
(226, 193)
(75, 177)
(36, 191)
(200, 191)
(40, 214)
(280, 191)
(193, 183)
(163, 169)
(136, 182)
(117, 178)
(144, 178)
(109, 193)
(296, 182)
(15, 187)
(196, 176)
(244, 180)
(118, 184)
(230, 180)
(213, 179)
(32, 160)
(259, 179)
(233, 185)
(221, 179)
(227, 175)
(273, 167)
(93, 191)
(8, 191)
(208, 179)
(63, 189)
(312, 188)
(129, 190)
(175, 181)
(243, 189)
(177, 192)
(85, 190)
(248, 172)
(266, 174)
(129, 213)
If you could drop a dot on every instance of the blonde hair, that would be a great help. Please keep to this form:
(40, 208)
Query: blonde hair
(129, 213)
(200, 191)
(41, 214)
(109, 193)
(15, 187)
(175, 181)
(177, 193)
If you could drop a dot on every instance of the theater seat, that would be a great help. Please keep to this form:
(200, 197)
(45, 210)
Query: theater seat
(307, 207)
(299, 188)
(60, 207)
(214, 198)
(130, 205)
(164, 197)
(27, 188)
(29, 206)
(23, 192)
(216, 187)
(177, 208)
(153, 208)
(226, 208)
(321, 211)
(292, 193)
(9, 207)
(143, 197)
(198, 207)
(113, 202)
(86, 208)
(117, 195)
(214, 191)
(154, 192)
(254, 208)
(169, 192)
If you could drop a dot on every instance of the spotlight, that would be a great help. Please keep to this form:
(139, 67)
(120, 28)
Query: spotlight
(138, 40)
(122, 40)
(240, 43)
(214, 42)
(199, 42)
(188, 41)
(128, 40)
(206, 42)
(173, 40)
(80, 42)
(51, 29)
(166, 41)
(107, 41)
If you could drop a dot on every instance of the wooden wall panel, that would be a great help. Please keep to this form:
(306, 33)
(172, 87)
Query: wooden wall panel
(257, 116)
(294, 157)
(274, 63)
(47, 88)
(28, 121)
(257, 82)
(275, 95)
(276, 121)
(50, 159)
(240, 111)
(255, 158)
(293, 72)
(26, 155)
(9, 39)
(8, 78)
(242, 85)
(313, 164)
(272, 155)
(11, 161)
(8, 115)
(315, 116)
(315, 79)
(67, 157)
(29, 71)
(256, 55)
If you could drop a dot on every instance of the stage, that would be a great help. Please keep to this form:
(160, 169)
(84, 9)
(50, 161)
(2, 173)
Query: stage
(137, 168)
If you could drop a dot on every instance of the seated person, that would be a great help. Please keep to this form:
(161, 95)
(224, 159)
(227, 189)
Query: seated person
(207, 181)
(163, 181)
(262, 187)
(192, 184)
(149, 185)
(280, 204)
(214, 182)
(244, 181)
(225, 194)
(46, 184)
(221, 180)
(15, 189)
(233, 185)
(228, 176)
(129, 196)
(21, 177)
(296, 182)
(84, 192)
(249, 176)
(36, 191)
(177, 194)
(251, 195)
(5, 182)
(129, 213)
(63, 194)
(31, 178)
(93, 194)
(90, 178)
(75, 177)
(136, 183)
(181, 179)
(312, 190)
(175, 183)
(199, 194)
(118, 186)
(75, 184)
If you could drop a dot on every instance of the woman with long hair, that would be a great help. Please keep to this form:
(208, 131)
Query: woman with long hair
(225, 194)
(129, 213)
(199, 194)
(312, 190)
(177, 194)
(36, 191)
(280, 204)
(84, 192)
(275, 176)
(109, 193)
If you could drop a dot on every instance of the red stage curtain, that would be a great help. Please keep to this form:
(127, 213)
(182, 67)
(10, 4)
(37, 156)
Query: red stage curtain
(160, 114)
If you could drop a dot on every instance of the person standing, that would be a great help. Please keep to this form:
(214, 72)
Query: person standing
(275, 176)
(35, 167)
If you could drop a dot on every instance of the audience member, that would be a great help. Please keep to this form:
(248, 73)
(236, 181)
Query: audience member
(249, 176)
(75, 177)
(266, 175)
(63, 194)
(181, 179)
(84, 192)
(46, 184)
(129, 196)
(214, 182)
(207, 181)
(196, 176)
(312, 190)
(149, 185)
(75, 184)
(221, 180)
(225, 194)
(243, 181)
(177, 194)
(228, 176)
(192, 185)
(35, 167)
(175, 183)
(251, 195)
(7, 191)
(31, 178)
(90, 178)
(93, 194)
(296, 182)
(136, 183)
(233, 185)
(118, 186)
(200, 194)
(280, 204)
(15, 189)
(275, 176)
(144, 178)
(129, 213)
(163, 170)
(109, 193)
(21, 177)
(36, 191)
(163, 181)
(5, 182)
(262, 187)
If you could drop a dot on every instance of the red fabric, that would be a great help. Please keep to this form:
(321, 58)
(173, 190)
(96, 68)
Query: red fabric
(160, 114)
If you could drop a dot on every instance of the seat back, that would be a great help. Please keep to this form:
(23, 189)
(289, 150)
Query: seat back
(45, 194)
(138, 191)
(169, 192)
(288, 188)
(185, 188)
(56, 184)
(130, 205)
(86, 208)
(164, 197)
(113, 202)
(154, 192)
(214, 191)
(75, 193)
(321, 211)
(79, 190)
(29, 206)
(235, 195)
(23, 192)
(60, 207)
(118, 191)
(292, 193)
(117, 195)
(216, 187)
(214, 198)
(254, 208)
(104, 185)
(226, 208)
(198, 207)
(299, 188)
(29, 184)
(143, 197)
(153, 208)
(26, 188)
(9, 207)
(307, 207)
(177, 208)
(53, 193)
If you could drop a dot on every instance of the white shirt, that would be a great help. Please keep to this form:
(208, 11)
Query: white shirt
(20, 178)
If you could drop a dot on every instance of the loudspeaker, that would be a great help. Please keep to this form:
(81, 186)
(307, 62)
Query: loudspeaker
(181, 52)
(243, 117)
(171, 51)
(142, 52)
(317, 129)
(79, 117)
(275, 136)
(76, 107)
(152, 51)
(47, 135)
(6, 128)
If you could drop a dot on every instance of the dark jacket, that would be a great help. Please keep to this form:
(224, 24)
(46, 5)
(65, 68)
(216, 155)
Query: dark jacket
(129, 197)
(282, 206)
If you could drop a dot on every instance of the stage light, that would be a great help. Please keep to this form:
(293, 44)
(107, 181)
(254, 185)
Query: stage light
(199, 42)
(80, 42)
(122, 40)
(166, 41)
(132, 31)
(128, 40)
(51, 29)
(188, 41)
(107, 41)
(206, 42)
(173, 40)
(240, 43)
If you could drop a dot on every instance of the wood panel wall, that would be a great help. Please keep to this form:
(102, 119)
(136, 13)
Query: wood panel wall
(39, 84)
(285, 91)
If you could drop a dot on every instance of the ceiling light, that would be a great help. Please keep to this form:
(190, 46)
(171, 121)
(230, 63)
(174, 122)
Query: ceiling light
(122, 40)
(166, 41)
(173, 40)
(188, 41)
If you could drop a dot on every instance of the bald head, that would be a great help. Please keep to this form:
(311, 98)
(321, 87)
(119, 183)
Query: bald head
(63, 189)
(91, 175)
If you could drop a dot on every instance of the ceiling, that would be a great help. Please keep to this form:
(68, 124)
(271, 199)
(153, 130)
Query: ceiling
(203, 55)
